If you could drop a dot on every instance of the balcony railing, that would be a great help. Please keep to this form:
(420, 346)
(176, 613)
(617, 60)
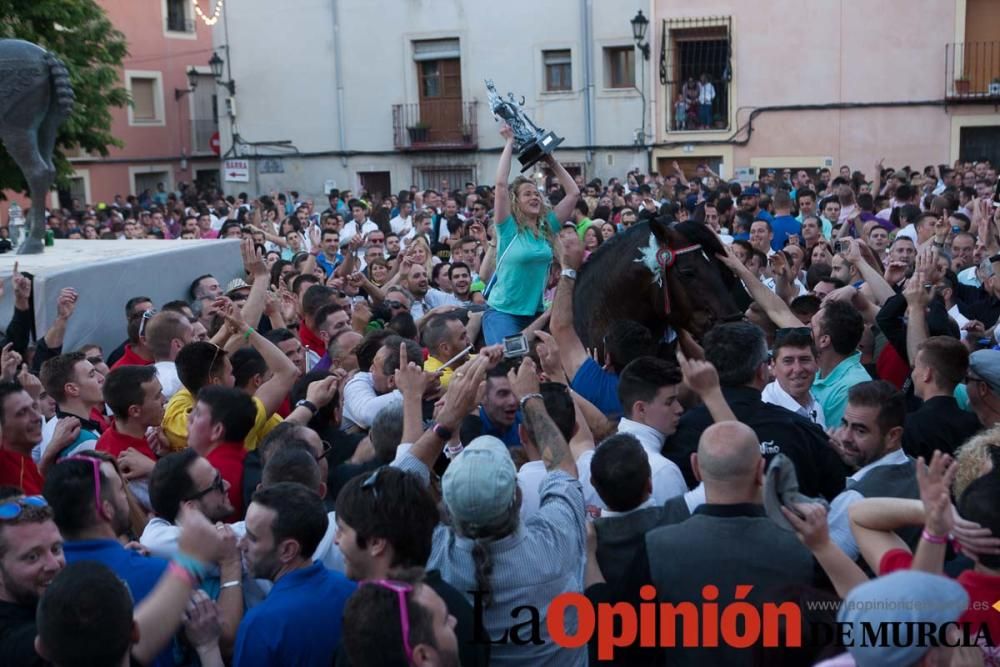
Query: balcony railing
(435, 125)
(201, 134)
(972, 70)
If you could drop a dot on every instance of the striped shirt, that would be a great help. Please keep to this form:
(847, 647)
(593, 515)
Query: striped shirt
(541, 559)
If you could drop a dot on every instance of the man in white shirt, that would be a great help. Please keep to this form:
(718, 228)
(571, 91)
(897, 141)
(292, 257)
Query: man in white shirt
(647, 389)
(367, 393)
(793, 364)
(706, 95)
(166, 333)
(425, 297)
(359, 222)
(870, 439)
(402, 224)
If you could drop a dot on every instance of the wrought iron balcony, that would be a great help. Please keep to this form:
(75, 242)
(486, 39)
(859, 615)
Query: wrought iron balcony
(436, 124)
(972, 71)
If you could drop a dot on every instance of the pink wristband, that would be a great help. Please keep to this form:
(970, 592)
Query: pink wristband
(182, 574)
(933, 539)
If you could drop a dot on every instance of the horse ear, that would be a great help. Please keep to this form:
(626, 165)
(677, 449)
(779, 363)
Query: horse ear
(661, 230)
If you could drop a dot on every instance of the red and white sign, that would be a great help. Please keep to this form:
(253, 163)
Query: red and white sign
(215, 144)
(236, 171)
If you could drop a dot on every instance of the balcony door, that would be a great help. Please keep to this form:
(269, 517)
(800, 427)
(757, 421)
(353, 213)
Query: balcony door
(439, 71)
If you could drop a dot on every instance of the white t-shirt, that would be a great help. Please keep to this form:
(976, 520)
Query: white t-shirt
(166, 372)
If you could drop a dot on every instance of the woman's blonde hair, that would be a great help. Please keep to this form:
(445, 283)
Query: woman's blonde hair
(422, 240)
(520, 217)
(974, 459)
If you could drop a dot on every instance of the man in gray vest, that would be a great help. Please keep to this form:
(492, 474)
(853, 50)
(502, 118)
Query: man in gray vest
(870, 440)
(728, 545)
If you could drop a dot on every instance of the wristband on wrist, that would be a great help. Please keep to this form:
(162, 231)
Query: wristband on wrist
(191, 565)
(249, 331)
(182, 574)
(933, 539)
(230, 584)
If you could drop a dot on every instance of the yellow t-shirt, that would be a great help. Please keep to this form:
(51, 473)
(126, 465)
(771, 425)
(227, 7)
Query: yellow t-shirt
(434, 364)
(175, 418)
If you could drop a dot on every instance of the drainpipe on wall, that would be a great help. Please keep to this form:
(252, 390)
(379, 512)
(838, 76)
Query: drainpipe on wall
(586, 9)
(339, 74)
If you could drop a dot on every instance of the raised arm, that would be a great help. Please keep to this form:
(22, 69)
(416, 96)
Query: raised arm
(571, 350)
(776, 309)
(551, 444)
(564, 209)
(284, 373)
(253, 262)
(501, 195)
(873, 521)
(703, 380)
(809, 522)
(917, 298)
(935, 482)
(881, 289)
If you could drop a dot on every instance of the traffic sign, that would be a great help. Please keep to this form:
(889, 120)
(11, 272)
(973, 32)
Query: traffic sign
(215, 144)
(236, 171)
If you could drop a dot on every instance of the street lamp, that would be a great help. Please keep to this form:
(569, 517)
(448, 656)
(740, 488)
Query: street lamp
(639, 25)
(192, 77)
(216, 63)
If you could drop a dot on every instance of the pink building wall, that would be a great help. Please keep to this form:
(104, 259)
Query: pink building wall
(788, 52)
(151, 49)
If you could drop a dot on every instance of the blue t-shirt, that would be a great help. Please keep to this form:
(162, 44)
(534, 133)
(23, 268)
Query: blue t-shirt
(140, 573)
(522, 267)
(599, 387)
(510, 436)
(784, 226)
(299, 623)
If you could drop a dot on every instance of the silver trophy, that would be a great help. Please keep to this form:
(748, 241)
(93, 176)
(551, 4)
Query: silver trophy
(531, 142)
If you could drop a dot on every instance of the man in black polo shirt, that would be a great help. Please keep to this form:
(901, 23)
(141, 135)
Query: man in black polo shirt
(739, 351)
(941, 363)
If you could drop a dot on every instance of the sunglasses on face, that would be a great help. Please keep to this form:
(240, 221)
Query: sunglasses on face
(217, 485)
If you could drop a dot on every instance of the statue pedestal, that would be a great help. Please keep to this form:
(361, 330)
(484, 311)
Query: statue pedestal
(109, 273)
(537, 149)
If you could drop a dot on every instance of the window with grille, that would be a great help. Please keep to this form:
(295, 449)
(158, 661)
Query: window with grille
(558, 72)
(696, 68)
(143, 99)
(177, 17)
(444, 178)
(619, 67)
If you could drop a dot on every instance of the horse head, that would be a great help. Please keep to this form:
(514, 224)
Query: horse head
(697, 287)
(656, 273)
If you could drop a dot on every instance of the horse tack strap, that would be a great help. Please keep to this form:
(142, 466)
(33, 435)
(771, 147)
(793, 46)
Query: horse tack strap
(666, 258)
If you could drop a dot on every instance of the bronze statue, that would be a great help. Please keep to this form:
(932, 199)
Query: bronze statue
(530, 141)
(35, 98)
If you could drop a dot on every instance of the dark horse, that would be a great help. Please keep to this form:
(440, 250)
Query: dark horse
(625, 279)
(35, 98)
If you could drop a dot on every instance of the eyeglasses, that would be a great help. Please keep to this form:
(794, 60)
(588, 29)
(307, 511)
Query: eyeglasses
(376, 241)
(217, 485)
(396, 305)
(326, 450)
(12, 509)
(146, 316)
(215, 356)
(400, 589)
(96, 464)
(370, 483)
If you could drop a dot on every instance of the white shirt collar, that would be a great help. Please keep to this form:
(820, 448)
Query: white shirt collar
(649, 502)
(775, 394)
(650, 439)
(890, 459)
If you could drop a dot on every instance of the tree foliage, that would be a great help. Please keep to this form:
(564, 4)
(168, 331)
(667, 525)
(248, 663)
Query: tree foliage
(79, 32)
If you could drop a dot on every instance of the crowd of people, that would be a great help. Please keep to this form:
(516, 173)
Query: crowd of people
(386, 443)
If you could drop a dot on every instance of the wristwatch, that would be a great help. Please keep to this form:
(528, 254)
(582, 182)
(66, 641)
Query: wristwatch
(994, 258)
(442, 432)
(569, 273)
(308, 405)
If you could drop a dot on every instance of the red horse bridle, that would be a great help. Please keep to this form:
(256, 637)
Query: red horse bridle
(666, 257)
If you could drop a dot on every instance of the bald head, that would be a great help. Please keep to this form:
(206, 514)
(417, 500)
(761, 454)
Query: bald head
(729, 459)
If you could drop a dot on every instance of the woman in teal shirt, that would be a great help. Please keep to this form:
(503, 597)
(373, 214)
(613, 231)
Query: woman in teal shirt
(524, 232)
